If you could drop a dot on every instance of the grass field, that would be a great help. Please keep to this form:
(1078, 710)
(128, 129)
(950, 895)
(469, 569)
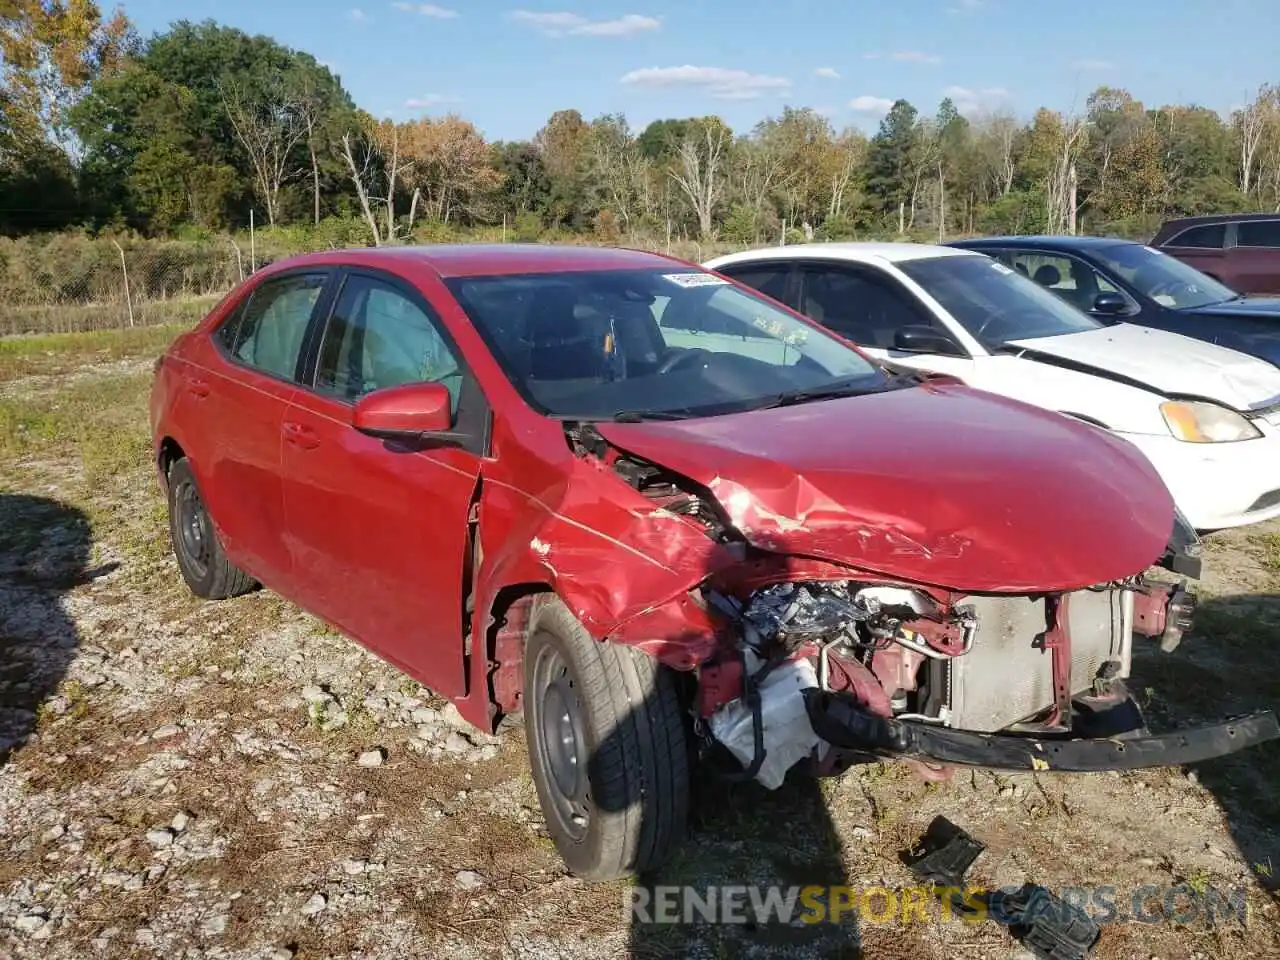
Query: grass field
(190, 783)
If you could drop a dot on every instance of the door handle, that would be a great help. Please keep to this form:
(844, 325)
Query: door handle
(198, 388)
(300, 436)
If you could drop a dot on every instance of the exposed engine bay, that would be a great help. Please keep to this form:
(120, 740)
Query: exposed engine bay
(979, 663)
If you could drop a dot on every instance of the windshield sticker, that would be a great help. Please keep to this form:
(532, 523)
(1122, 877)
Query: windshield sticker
(773, 327)
(695, 279)
(1000, 267)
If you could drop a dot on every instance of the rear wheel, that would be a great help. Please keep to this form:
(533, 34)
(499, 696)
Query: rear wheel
(608, 747)
(204, 564)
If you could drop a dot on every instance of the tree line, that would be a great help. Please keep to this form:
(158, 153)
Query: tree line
(195, 127)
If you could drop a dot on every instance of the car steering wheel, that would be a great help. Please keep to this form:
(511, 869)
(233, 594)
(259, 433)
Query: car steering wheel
(682, 358)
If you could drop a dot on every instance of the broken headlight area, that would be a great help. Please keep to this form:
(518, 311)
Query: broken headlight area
(899, 659)
(880, 643)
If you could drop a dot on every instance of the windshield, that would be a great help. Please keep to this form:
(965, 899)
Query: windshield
(994, 303)
(599, 344)
(1165, 280)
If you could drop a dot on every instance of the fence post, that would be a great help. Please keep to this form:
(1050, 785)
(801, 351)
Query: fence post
(124, 268)
(253, 252)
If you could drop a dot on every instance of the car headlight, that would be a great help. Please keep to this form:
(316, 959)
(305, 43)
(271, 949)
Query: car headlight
(1198, 422)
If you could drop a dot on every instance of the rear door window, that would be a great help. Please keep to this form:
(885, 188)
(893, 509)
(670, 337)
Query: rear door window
(267, 333)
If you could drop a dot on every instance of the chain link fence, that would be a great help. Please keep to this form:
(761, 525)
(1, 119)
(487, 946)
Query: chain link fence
(72, 282)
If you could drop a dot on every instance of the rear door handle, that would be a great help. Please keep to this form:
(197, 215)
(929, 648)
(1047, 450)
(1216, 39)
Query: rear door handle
(198, 388)
(300, 436)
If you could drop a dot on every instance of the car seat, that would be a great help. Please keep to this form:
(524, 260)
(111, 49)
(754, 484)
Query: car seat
(1086, 282)
(1047, 275)
(561, 346)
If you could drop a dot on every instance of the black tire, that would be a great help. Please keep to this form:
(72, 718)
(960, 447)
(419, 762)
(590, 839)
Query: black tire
(622, 712)
(200, 556)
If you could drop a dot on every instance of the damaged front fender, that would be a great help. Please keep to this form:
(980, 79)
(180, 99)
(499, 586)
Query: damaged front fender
(623, 565)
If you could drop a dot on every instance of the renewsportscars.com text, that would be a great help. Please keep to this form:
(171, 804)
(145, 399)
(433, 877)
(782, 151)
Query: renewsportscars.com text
(1183, 904)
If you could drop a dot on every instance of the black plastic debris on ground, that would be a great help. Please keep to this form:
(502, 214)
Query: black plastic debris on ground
(1041, 921)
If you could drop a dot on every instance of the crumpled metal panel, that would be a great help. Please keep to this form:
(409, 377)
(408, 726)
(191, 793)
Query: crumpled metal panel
(883, 486)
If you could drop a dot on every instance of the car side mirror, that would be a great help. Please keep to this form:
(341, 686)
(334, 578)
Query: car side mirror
(413, 411)
(1110, 304)
(921, 338)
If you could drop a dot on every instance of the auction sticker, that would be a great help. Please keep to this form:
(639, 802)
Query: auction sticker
(695, 279)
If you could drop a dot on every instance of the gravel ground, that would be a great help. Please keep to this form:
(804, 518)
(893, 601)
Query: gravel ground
(235, 780)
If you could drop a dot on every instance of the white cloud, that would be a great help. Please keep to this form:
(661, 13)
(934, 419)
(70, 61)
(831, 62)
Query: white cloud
(430, 100)
(427, 10)
(915, 56)
(1091, 66)
(564, 24)
(905, 56)
(622, 27)
(357, 15)
(970, 101)
(715, 81)
(828, 73)
(869, 104)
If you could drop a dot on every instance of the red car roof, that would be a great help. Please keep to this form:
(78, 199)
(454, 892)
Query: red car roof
(482, 259)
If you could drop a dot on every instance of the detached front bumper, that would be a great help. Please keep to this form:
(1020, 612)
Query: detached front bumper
(837, 719)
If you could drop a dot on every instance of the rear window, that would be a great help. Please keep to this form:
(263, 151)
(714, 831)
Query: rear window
(1258, 233)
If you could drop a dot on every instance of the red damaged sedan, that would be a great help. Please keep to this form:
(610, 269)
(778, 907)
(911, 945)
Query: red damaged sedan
(667, 520)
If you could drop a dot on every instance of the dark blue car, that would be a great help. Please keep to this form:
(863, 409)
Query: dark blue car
(1119, 280)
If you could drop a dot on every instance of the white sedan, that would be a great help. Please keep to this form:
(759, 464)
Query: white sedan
(1207, 417)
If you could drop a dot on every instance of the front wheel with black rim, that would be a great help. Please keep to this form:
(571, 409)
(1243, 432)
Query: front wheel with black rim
(204, 564)
(608, 745)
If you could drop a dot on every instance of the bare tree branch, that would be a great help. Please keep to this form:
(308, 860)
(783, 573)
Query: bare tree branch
(700, 177)
(269, 126)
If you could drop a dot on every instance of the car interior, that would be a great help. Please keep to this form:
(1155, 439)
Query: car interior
(859, 310)
(377, 338)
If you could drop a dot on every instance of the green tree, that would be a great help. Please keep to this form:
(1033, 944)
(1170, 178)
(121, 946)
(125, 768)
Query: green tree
(526, 187)
(563, 145)
(890, 159)
(248, 115)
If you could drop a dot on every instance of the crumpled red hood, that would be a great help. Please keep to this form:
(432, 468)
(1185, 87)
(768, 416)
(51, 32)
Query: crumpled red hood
(939, 484)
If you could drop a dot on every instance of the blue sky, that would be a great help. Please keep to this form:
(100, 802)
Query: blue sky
(507, 65)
